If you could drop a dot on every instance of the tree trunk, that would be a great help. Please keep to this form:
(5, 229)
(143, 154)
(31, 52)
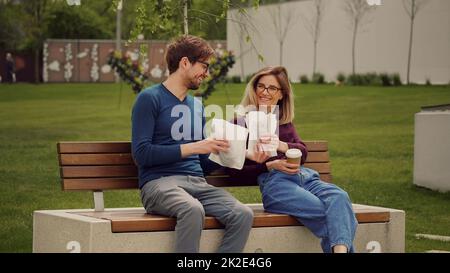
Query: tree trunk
(410, 42)
(355, 31)
(241, 61)
(36, 65)
(185, 17)
(281, 52)
(315, 57)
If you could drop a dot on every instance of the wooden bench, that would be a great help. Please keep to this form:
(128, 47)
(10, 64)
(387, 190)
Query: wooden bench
(100, 166)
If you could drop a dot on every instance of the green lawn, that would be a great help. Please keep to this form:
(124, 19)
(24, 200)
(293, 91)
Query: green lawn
(370, 132)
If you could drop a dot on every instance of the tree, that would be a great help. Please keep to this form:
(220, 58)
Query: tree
(412, 8)
(281, 22)
(77, 23)
(36, 12)
(12, 34)
(357, 10)
(313, 26)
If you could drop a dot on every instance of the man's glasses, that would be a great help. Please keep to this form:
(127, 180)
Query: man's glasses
(271, 89)
(205, 65)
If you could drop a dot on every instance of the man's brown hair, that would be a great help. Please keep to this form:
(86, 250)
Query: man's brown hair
(192, 47)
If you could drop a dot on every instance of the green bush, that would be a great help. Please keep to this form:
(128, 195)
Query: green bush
(354, 79)
(396, 81)
(372, 78)
(248, 78)
(232, 79)
(318, 78)
(385, 79)
(236, 79)
(341, 77)
(304, 79)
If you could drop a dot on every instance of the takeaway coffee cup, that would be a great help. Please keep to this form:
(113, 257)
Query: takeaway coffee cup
(294, 156)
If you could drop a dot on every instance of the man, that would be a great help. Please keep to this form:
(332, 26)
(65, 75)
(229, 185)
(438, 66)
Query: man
(170, 157)
(10, 68)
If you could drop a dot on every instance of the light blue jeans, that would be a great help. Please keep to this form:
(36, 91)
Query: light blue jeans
(323, 208)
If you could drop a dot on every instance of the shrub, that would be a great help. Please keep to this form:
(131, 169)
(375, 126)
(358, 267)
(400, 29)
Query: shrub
(372, 78)
(232, 79)
(218, 70)
(354, 79)
(235, 79)
(396, 81)
(428, 82)
(385, 79)
(341, 77)
(318, 78)
(248, 78)
(304, 79)
(130, 71)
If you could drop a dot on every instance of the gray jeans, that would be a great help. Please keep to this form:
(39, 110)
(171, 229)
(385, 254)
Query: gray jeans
(189, 198)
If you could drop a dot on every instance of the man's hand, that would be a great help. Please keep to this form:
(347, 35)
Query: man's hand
(205, 146)
(283, 166)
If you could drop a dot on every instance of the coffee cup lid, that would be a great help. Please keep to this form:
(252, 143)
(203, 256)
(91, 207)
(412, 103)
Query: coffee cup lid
(294, 153)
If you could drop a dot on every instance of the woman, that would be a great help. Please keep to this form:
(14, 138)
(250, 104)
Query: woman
(286, 188)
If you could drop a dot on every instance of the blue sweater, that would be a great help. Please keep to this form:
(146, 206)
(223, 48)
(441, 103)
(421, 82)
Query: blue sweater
(156, 145)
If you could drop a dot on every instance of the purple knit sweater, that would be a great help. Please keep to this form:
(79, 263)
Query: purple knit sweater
(288, 134)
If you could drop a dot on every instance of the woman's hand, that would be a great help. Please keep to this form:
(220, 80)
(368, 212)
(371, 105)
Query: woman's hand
(275, 142)
(269, 139)
(258, 155)
(283, 166)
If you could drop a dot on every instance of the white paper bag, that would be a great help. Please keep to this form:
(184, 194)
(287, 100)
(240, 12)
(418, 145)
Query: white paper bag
(261, 124)
(237, 138)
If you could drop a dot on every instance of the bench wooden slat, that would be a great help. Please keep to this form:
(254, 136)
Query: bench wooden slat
(95, 159)
(222, 181)
(319, 167)
(131, 171)
(93, 147)
(99, 171)
(126, 159)
(95, 184)
(139, 221)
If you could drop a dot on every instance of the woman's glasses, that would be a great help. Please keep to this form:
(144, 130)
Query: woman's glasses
(271, 89)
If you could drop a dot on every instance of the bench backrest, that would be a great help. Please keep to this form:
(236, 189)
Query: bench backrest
(98, 166)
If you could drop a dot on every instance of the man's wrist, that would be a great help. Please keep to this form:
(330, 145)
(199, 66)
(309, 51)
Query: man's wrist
(187, 149)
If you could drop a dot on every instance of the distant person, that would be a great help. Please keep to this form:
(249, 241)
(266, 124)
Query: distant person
(10, 68)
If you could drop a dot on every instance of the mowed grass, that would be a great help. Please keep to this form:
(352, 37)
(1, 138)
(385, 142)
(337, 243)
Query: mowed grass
(370, 131)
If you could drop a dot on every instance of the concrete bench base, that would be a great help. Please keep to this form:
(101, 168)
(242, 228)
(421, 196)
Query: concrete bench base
(65, 231)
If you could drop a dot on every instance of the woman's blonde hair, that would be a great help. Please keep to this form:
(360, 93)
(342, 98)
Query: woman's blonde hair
(286, 104)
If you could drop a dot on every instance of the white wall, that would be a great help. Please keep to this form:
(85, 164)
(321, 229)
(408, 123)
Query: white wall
(382, 46)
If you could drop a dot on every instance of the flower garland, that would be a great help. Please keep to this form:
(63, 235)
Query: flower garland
(94, 68)
(68, 66)
(44, 63)
(218, 70)
(130, 71)
(133, 73)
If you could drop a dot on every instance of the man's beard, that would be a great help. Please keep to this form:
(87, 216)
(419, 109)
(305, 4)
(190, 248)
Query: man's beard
(193, 85)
